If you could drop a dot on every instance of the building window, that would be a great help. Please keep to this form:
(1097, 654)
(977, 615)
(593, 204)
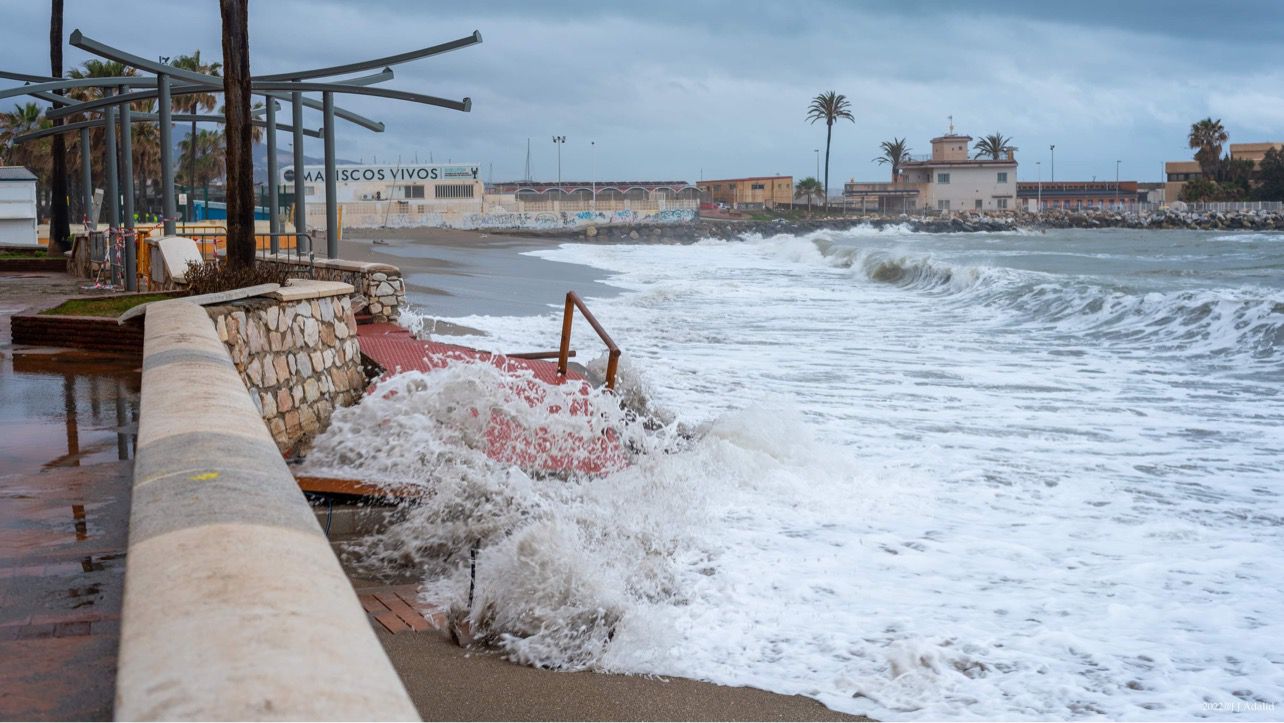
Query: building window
(1003, 176)
(943, 205)
(758, 187)
(412, 191)
(978, 203)
(452, 190)
(942, 178)
(1003, 203)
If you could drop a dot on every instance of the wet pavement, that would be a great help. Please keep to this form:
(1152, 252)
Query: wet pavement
(68, 424)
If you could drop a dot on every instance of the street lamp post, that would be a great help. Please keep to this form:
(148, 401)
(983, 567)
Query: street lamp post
(593, 159)
(559, 141)
(817, 152)
(1117, 185)
(1038, 204)
(1052, 175)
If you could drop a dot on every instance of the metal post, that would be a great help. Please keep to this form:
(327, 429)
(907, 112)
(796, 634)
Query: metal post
(169, 208)
(127, 181)
(113, 191)
(302, 244)
(87, 178)
(331, 191)
(1053, 171)
(593, 155)
(274, 221)
(1117, 185)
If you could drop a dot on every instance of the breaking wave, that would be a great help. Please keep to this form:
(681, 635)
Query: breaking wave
(1206, 321)
(565, 562)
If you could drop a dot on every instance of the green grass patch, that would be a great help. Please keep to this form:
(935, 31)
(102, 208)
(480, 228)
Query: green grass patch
(23, 254)
(108, 306)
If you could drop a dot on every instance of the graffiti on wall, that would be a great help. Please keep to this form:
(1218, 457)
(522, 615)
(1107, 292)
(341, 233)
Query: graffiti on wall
(502, 219)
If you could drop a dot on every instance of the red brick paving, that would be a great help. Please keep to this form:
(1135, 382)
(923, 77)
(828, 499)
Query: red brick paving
(63, 536)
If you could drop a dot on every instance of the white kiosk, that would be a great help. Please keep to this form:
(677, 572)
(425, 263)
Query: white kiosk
(17, 207)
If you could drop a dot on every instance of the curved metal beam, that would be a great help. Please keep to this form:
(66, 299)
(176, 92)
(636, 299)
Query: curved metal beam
(27, 78)
(347, 115)
(305, 86)
(146, 118)
(368, 64)
(97, 103)
(272, 90)
(77, 83)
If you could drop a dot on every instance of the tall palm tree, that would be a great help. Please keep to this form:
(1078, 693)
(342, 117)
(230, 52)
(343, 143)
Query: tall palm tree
(146, 147)
(195, 102)
(808, 187)
(34, 155)
(1207, 136)
(895, 153)
(240, 158)
(97, 136)
(208, 149)
(829, 107)
(992, 145)
(59, 228)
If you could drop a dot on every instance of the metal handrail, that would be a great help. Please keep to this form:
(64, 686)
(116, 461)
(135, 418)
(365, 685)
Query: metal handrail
(573, 302)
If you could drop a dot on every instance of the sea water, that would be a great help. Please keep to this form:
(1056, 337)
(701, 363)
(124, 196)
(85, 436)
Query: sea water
(1010, 475)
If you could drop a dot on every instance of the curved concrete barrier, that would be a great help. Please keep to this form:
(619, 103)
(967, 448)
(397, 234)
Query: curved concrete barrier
(235, 607)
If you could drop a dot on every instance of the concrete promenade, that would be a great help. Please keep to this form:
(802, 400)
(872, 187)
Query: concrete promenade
(235, 608)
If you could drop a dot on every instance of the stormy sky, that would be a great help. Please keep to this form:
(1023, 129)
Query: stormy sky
(683, 90)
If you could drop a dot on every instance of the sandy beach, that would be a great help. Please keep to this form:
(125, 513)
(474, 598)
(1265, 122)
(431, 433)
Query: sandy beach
(447, 682)
(452, 273)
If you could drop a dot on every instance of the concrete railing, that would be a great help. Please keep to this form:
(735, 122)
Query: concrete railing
(235, 606)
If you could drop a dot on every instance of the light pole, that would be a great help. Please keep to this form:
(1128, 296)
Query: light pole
(817, 152)
(1038, 204)
(1052, 175)
(559, 141)
(1117, 185)
(593, 158)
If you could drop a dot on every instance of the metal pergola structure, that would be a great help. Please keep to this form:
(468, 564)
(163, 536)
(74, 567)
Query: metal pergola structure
(166, 81)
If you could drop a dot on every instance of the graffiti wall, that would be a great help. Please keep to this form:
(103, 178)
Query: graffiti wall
(358, 216)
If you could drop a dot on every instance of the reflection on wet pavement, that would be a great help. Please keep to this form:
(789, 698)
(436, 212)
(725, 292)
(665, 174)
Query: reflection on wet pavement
(68, 425)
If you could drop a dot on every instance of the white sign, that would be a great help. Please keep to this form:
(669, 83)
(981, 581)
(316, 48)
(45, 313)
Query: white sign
(357, 173)
(182, 199)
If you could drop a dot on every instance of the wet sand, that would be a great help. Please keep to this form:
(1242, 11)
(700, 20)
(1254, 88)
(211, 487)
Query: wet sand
(447, 682)
(469, 273)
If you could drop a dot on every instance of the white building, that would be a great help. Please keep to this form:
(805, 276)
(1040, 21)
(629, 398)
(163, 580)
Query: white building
(17, 206)
(951, 181)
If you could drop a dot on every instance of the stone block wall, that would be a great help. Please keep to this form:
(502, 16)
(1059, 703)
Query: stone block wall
(299, 358)
(380, 285)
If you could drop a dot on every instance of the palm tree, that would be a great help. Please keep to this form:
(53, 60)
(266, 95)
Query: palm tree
(59, 228)
(992, 145)
(895, 152)
(146, 148)
(239, 158)
(1207, 136)
(808, 187)
(829, 107)
(95, 69)
(208, 150)
(195, 102)
(34, 155)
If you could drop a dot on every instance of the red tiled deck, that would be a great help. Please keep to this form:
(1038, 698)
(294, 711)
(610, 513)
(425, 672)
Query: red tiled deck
(397, 609)
(394, 349)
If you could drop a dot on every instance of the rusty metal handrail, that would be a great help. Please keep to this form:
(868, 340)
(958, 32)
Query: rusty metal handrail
(573, 302)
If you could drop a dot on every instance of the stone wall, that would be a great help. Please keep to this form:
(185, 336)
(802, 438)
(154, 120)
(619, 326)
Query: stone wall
(296, 350)
(382, 291)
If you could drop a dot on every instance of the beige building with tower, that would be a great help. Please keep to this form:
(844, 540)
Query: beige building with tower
(950, 180)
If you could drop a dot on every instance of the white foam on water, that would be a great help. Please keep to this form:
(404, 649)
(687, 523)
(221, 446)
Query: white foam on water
(906, 485)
